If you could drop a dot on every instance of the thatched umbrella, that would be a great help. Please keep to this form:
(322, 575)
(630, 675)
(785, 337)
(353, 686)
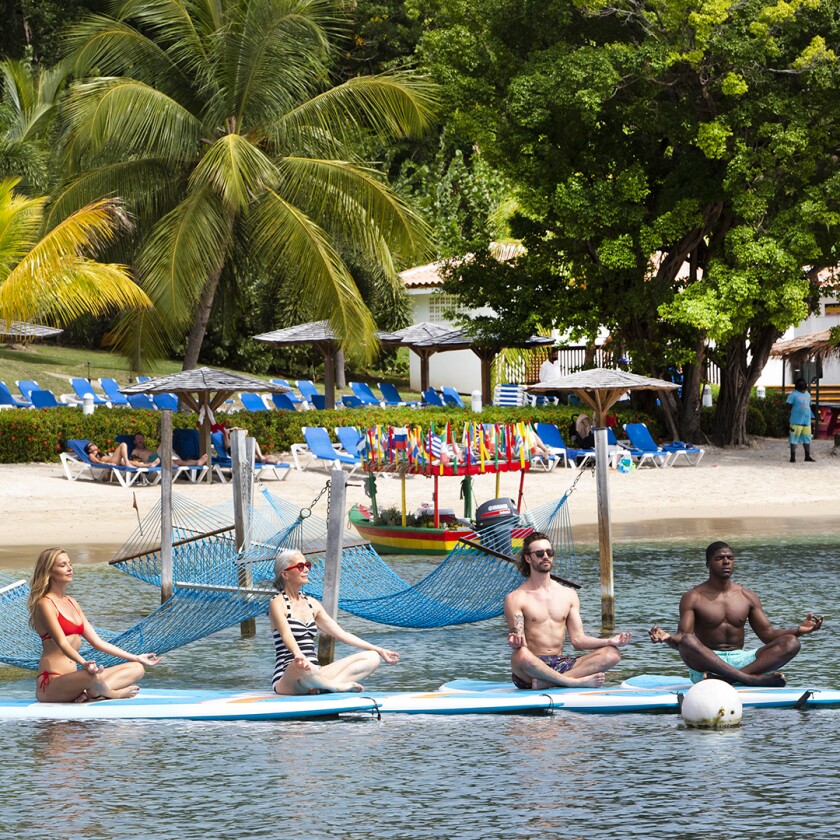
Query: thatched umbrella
(600, 388)
(203, 390)
(318, 333)
(420, 338)
(818, 346)
(25, 331)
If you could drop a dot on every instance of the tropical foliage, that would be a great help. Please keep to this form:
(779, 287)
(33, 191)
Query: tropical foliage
(217, 123)
(51, 276)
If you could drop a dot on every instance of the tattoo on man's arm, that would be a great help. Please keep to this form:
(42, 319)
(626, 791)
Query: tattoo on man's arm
(519, 624)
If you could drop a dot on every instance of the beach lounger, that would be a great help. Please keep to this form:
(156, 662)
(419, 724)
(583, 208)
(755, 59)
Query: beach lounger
(451, 396)
(77, 464)
(552, 439)
(509, 394)
(221, 463)
(26, 387)
(319, 447)
(284, 402)
(433, 398)
(307, 389)
(392, 396)
(141, 401)
(295, 398)
(351, 401)
(168, 401)
(112, 391)
(7, 398)
(82, 388)
(350, 439)
(362, 392)
(642, 446)
(42, 398)
(641, 439)
(185, 443)
(253, 402)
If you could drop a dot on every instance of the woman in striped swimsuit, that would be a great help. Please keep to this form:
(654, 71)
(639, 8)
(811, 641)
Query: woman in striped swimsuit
(295, 620)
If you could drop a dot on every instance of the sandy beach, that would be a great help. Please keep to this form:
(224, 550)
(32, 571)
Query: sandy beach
(747, 493)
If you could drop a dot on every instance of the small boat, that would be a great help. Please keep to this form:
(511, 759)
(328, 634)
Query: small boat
(408, 539)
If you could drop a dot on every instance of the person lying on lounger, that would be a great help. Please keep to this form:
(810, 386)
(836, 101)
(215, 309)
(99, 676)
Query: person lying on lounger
(150, 457)
(295, 620)
(64, 675)
(258, 453)
(117, 458)
(710, 638)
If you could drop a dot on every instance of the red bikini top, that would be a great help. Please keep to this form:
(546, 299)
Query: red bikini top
(67, 626)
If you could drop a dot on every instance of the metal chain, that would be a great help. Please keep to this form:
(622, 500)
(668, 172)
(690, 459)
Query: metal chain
(306, 512)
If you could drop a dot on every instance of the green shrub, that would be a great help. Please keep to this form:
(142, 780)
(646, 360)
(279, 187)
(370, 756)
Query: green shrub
(27, 436)
(756, 423)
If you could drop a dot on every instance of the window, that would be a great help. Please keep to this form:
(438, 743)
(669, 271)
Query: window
(439, 304)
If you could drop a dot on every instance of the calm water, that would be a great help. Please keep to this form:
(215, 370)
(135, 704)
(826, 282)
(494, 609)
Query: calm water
(642, 776)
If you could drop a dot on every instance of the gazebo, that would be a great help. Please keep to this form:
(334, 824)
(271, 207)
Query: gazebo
(203, 390)
(419, 338)
(319, 334)
(25, 331)
(818, 346)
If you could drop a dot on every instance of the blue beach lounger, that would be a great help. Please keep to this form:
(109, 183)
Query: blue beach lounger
(392, 396)
(77, 463)
(433, 398)
(83, 388)
(112, 391)
(452, 397)
(643, 448)
(362, 392)
(319, 447)
(642, 440)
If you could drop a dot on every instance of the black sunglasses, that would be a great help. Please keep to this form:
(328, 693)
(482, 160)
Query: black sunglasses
(542, 552)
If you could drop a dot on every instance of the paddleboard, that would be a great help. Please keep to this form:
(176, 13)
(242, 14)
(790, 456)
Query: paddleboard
(646, 693)
(162, 704)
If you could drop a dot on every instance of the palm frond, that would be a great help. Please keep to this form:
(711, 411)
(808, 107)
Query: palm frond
(184, 249)
(356, 205)
(389, 105)
(284, 236)
(235, 169)
(143, 120)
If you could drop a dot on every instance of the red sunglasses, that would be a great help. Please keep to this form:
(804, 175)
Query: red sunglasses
(304, 564)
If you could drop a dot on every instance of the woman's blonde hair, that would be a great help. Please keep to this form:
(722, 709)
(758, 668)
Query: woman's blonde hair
(41, 579)
(283, 559)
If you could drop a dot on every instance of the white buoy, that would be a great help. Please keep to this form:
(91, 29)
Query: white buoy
(711, 704)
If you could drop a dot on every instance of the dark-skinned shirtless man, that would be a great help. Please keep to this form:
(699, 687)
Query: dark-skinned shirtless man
(538, 614)
(710, 638)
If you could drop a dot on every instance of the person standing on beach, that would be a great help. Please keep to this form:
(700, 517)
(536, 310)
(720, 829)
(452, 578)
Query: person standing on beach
(59, 621)
(538, 614)
(801, 417)
(710, 639)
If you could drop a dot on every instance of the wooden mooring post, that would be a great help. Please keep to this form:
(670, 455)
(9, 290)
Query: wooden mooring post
(242, 462)
(332, 568)
(602, 489)
(165, 452)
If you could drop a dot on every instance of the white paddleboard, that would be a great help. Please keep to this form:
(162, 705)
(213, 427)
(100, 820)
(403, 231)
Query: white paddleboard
(162, 704)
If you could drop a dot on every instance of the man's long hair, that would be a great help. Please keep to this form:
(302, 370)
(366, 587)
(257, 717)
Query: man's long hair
(524, 566)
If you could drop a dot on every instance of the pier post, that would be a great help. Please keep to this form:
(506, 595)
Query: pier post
(242, 481)
(165, 453)
(332, 565)
(602, 489)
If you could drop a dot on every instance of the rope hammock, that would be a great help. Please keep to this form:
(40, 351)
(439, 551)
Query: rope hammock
(469, 585)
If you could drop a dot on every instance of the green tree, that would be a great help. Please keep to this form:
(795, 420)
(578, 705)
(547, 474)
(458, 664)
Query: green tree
(50, 275)
(217, 122)
(675, 165)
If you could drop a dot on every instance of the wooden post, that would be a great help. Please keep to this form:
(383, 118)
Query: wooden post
(602, 489)
(242, 457)
(165, 505)
(332, 567)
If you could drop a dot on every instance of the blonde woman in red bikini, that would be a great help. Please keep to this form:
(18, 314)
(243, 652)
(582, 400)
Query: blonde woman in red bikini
(64, 675)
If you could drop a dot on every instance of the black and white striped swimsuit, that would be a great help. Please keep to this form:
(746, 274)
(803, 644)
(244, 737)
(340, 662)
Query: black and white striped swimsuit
(304, 634)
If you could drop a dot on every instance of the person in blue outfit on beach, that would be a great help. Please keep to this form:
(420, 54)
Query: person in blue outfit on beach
(800, 419)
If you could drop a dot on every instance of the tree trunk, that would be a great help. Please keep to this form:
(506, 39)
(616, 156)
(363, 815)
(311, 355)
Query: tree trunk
(202, 317)
(340, 371)
(737, 377)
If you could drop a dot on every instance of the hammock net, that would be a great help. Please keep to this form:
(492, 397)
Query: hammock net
(217, 584)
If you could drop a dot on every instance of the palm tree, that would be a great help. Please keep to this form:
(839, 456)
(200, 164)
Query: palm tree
(50, 276)
(30, 102)
(216, 121)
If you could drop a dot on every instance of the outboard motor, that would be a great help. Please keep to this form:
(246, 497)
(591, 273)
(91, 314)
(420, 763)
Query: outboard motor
(494, 522)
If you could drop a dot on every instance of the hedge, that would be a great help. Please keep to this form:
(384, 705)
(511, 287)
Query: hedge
(29, 435)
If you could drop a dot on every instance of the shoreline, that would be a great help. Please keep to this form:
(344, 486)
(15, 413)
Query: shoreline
(749, 493)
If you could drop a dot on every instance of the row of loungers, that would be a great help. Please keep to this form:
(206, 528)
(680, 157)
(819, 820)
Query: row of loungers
(33, 396)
